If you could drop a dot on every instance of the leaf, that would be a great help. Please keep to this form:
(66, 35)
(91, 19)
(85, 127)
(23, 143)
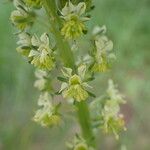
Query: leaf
(67, 72)
(91, 94)
(90, 79)
(62, 79)
(58, 93)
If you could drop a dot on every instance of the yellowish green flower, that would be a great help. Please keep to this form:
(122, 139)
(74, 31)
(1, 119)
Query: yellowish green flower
(42, 56)
(101, 64)
(114, 94)
(41, 81)
(24, 43)
(74, 20)
(81, 146)
(23, 17)
(34, 3)
(75, 87)
(47, 115)
(102, 54)
(111, 119)
(78, 143)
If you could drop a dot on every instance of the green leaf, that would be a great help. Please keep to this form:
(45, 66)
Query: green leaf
(91, 94)
(62, 79)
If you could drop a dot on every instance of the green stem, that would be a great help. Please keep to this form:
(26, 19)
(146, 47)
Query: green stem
(68, 59)
(85, 122)
(63, 46)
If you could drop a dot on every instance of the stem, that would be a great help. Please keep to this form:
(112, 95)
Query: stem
(63, 46)
(85, 122)
(68, 59)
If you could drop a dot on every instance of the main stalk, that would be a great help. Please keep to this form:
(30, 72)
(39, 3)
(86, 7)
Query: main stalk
(68, 60)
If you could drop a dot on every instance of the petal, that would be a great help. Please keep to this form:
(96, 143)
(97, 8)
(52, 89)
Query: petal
(86, 85)
(24, 39)
(63, 87)
(112, 56)
(99, 30)
(81, 71)
(40, 74)
(33, 53)
(109, 46)
(69, 7)
(64, 11)
(35, 41)
(81, 7)
(45, 38)
(67, 72)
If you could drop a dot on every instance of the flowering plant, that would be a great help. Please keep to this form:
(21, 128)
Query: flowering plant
(52, 52)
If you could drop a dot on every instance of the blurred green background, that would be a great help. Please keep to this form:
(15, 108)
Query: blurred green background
(128, 24)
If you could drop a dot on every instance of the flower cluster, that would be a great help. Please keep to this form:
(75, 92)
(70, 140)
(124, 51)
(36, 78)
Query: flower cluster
(79, 143)
(48, 115)
(74, 25)
(46, 57)
(74, 85)
(101, 53)
(23, 17)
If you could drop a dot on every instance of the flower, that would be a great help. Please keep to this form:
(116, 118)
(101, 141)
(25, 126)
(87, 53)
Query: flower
(23, 17)
(111, 119)
(47, 116)
(74, 25)
(24, 43)
(79, 143)
(41, 81)
(34, 3)
(74, 87)
(102, 52)
(42, 55)
(81, 146)
(113, 93)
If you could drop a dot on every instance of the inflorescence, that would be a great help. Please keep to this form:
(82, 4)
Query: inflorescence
(42, 52)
